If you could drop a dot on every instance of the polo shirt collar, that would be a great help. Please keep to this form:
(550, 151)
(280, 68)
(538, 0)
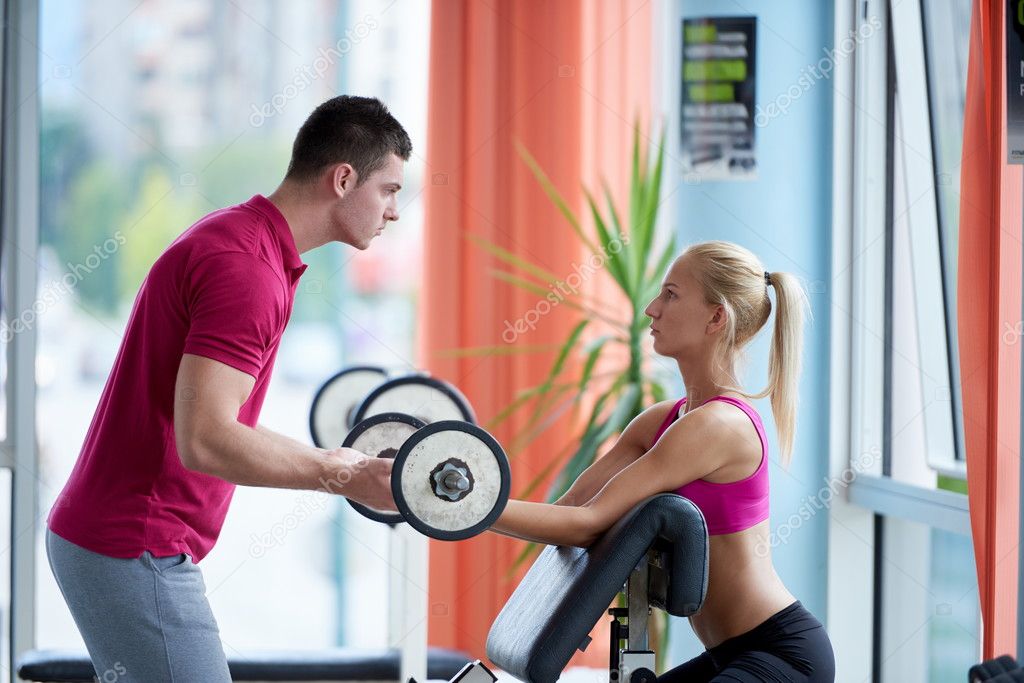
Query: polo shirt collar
(289, 252)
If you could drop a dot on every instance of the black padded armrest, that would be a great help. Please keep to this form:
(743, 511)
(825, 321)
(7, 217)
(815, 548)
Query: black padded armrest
(568, 589)
(334, 664)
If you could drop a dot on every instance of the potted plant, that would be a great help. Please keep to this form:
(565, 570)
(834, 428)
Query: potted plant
(625, 383)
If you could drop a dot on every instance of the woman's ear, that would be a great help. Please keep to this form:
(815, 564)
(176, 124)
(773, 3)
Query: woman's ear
(717, 321)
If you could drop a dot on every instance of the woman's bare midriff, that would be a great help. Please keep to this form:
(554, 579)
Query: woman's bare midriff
(743, 588)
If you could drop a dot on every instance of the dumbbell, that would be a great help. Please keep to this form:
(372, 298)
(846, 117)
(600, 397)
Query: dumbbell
(358, 392)
(336, 401)
(450, 480)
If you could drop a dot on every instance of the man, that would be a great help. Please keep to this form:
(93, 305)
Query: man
(176, 426)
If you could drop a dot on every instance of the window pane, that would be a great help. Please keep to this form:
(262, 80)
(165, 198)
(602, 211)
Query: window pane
(926, 443)
(947, 36)
(931, 620)
(153, 115)
(946, 24)
(922, 425)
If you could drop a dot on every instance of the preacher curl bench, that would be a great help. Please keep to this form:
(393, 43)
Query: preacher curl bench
(659, 550)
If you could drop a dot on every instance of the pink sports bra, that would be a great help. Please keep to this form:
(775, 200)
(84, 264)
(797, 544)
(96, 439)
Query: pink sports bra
(732, 506)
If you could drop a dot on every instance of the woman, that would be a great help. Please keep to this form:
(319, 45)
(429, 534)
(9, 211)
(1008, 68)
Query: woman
(711, 448)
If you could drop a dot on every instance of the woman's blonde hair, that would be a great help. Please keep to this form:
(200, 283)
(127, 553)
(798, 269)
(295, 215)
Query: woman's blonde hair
(731, 276)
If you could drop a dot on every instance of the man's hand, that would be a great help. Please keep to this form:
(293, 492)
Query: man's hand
(364, 479)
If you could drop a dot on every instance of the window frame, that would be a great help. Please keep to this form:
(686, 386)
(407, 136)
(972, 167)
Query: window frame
(867, 395)
(860, 328)
(20, 226)
(851, 527)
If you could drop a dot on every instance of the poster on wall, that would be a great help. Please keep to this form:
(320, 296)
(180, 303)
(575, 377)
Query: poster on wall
(1015, 81)
(717, 134)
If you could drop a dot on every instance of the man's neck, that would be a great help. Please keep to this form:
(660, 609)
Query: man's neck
(301, 221)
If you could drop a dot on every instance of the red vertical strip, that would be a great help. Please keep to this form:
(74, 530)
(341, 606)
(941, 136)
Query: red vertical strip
(988, 304)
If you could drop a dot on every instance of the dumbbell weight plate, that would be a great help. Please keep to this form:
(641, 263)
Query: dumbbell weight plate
(428, 398)
(335, 403)
(381, 436)
(424, 453)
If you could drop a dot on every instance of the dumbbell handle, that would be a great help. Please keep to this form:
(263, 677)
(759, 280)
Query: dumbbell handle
(455, 481)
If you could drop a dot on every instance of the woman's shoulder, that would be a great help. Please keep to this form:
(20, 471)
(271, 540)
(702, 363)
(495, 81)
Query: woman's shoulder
(736, 405)
(643, 429)
(657, 413)
(716, 422)
(732, 435)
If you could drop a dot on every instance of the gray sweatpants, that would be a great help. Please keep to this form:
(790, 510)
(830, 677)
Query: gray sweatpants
(144, 620)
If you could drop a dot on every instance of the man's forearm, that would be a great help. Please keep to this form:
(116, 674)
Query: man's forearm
(281, 438)
(258, 457)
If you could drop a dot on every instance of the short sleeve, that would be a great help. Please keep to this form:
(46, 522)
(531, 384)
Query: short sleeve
(235, 303)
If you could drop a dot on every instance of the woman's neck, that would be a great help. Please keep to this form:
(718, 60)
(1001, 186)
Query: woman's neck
(701, 386)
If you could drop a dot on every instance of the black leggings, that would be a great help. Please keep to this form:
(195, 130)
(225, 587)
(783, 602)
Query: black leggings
(789, 646)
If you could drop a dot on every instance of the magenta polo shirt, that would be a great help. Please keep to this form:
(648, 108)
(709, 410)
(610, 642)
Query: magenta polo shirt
(223, 290)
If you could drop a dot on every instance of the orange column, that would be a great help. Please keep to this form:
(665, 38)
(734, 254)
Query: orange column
(494, 78)
(616, 84)
(989, 300)
(502, 71)
(617, 87)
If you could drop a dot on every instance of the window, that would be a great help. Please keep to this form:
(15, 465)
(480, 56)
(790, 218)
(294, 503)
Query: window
(905, 398)
(932, 629)
(925, 127)
(946, 36)
(151, 116)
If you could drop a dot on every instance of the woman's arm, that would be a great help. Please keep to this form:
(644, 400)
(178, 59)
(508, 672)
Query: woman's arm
(631, 444)
(683, 454)
(551, 524)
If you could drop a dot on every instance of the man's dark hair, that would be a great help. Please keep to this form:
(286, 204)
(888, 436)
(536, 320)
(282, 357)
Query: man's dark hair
(359, 131)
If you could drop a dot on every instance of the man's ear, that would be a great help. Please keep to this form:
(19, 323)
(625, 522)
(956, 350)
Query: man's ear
(343, 179)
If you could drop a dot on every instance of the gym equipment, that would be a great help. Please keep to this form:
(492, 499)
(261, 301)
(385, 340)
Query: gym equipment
(659, 550)
(473, 672)
(381, 436)
(335, 403)
(355, 394)
(450, 481)
(407, 551)
(428, 398)
(334, 664)
(1002, 669)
